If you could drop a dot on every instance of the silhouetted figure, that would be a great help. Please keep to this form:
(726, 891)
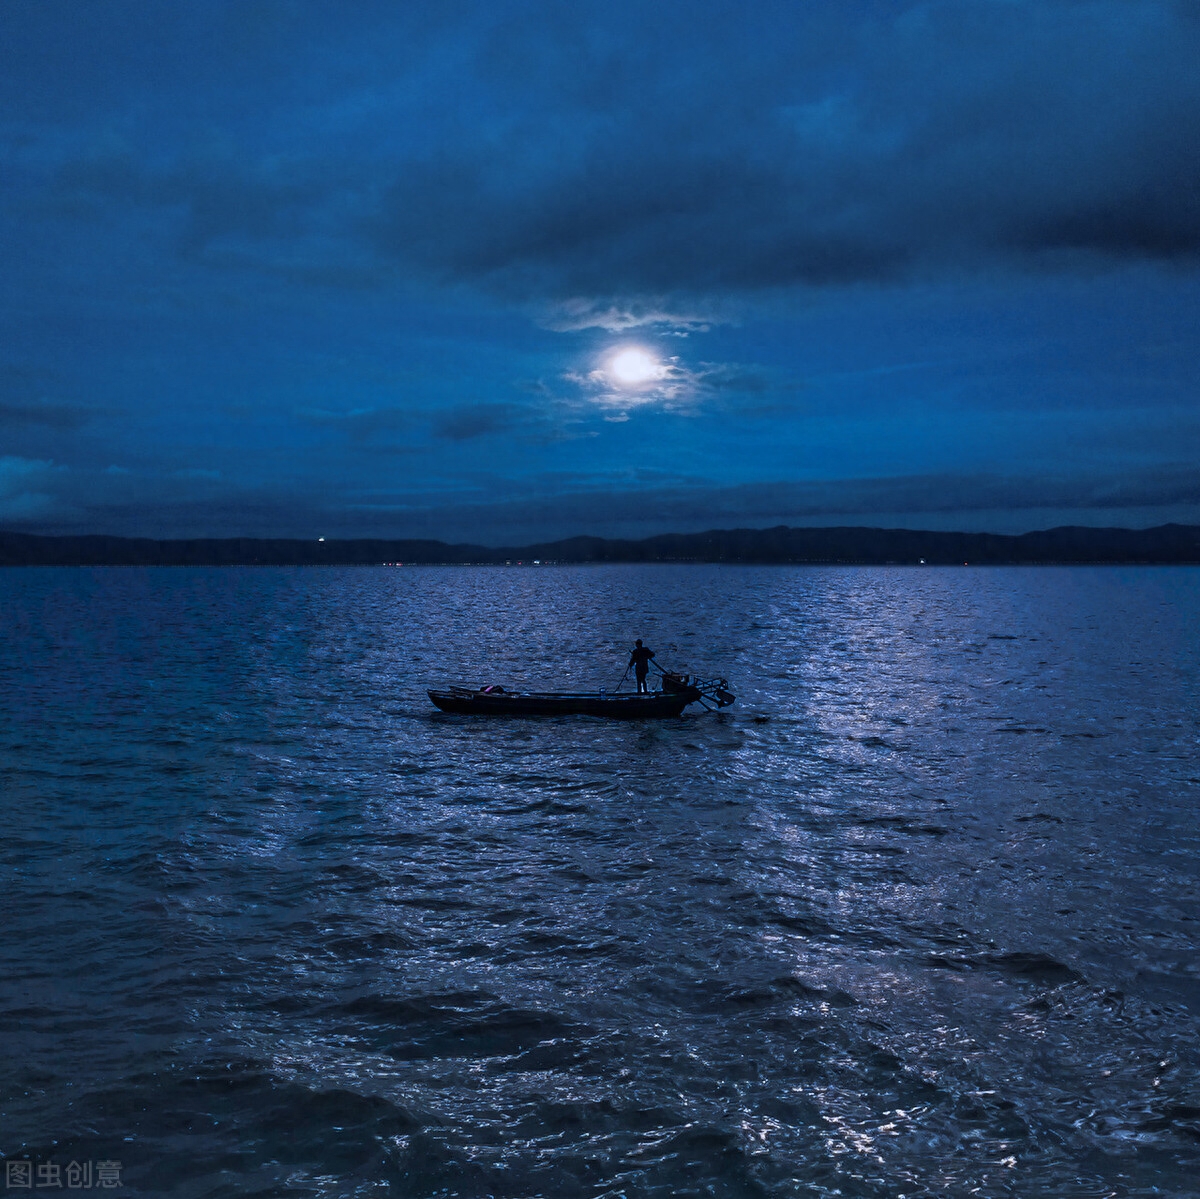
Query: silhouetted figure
(639, 659)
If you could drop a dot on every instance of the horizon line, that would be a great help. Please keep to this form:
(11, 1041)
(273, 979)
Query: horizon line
(777, 544)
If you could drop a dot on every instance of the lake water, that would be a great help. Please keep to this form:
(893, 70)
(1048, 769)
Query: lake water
(917, 916)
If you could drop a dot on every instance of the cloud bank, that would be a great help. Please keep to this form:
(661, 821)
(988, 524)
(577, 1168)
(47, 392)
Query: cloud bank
(649, 164)
(40, 496)
(943, 138)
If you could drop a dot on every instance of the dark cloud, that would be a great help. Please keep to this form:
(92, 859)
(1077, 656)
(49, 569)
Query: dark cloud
(374, 429)
(55, 416)
(23, 401)
(654, 154)
(731, 377)
(468, 421)
(963, 501)
(224, 201)
(955, 136)
(360, 424)
(37, 496)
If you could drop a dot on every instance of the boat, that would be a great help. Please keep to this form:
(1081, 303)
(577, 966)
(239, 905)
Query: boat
(677, 692)
(496, 701)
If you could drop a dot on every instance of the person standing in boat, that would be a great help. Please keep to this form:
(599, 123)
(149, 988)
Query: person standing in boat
(639, 659)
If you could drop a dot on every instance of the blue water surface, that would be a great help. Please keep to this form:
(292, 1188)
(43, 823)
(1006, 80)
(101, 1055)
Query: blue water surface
(917, 916)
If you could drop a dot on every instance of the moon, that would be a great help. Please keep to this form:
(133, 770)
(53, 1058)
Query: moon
(634, 366)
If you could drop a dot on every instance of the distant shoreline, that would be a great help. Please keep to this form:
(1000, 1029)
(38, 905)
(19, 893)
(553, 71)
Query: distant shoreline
(781, 545)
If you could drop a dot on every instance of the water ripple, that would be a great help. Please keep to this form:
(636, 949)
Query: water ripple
(917, 916)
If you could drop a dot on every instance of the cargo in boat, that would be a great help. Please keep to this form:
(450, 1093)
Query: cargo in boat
(499, 702)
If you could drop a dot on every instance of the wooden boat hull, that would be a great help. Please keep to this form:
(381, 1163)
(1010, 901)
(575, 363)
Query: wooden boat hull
(651, 705)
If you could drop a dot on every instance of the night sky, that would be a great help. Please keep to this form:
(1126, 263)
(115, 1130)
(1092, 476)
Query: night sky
(509, 271)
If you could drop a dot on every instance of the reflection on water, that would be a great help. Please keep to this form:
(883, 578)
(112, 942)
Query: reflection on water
(917, 916)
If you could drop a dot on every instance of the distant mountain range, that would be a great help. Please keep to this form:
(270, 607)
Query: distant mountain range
(1075, 544)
